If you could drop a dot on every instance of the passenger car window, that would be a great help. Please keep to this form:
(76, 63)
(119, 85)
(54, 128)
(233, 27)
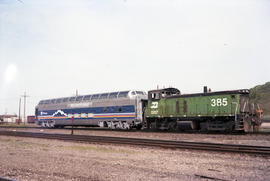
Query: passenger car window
(95, 96)
(103, 96)
(72, 99)
(52, 101)
(86, 98)
(113, 95)
(58, 100)
(47, 101)
(119, 109)
(79, 98)
(140, 92)
(66, 99)
(123, 94)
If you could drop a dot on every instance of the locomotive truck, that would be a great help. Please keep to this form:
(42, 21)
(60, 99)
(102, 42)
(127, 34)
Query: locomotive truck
(164, 109)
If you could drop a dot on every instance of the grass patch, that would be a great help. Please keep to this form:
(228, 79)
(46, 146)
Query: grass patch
(5, 140)
(18, 125)
(26, 144)
(265, 130)
(101, 149)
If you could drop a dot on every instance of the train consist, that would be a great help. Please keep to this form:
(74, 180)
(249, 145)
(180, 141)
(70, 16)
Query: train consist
(164, 109)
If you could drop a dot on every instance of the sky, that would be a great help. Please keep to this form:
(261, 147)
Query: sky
(50, 49)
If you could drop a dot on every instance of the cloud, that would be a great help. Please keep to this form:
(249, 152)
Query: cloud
(10, 73)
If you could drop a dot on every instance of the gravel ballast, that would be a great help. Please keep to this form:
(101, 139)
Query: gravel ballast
(41, 159)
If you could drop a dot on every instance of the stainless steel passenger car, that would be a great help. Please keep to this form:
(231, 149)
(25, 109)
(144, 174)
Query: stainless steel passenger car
(122, 110)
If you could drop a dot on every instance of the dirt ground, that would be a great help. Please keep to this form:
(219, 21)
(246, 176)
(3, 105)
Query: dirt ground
(41, 159)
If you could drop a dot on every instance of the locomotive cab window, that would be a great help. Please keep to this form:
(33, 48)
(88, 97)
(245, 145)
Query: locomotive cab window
(155, 95)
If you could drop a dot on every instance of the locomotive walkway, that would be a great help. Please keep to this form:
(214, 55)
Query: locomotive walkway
(258, 150)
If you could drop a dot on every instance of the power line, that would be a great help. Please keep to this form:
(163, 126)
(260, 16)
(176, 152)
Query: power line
(24, 96)
(19, 111)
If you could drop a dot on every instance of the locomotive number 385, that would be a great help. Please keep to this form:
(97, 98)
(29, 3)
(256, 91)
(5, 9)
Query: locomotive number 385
(219, 102)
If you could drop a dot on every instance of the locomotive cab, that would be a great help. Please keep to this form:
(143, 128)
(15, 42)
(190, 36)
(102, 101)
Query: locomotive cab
(163, 93)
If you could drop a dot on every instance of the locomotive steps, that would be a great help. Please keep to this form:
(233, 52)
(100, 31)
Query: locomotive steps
(258, 150)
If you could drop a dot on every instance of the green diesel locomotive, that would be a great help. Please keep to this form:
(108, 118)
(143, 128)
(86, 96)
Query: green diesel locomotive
(208, 111)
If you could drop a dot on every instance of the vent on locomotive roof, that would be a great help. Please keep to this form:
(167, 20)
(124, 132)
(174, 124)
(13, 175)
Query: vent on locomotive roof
(205, 90)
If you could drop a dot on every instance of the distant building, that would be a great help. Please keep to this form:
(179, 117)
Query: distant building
(31, 119)
(8, 118)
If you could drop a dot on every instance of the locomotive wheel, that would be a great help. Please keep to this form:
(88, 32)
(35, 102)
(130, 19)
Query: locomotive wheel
(256, 128)
(139, 127)
(172, 126)
(204, 126)
(247, 126)
(153, 126)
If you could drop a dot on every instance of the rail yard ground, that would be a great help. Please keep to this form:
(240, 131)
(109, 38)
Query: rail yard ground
(41, 159)
(246, 139)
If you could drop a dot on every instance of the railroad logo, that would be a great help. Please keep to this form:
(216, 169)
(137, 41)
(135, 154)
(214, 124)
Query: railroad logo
(43, 113)
(59, 113)
(154, 105)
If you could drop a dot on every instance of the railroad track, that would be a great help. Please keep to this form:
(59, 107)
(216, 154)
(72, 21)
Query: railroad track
(134, 130)
(259, 150)
(6, 179)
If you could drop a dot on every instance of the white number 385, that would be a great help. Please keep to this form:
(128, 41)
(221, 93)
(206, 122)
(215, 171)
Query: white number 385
(219, 102)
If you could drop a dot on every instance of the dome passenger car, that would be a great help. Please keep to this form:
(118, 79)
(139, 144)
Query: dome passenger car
(122, 110)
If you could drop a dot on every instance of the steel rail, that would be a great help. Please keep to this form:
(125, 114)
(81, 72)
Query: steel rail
(260, 150)
(6, 179)
(134, 130)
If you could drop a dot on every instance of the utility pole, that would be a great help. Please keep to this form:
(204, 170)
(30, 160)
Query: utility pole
(19, 111)
(24, 96)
